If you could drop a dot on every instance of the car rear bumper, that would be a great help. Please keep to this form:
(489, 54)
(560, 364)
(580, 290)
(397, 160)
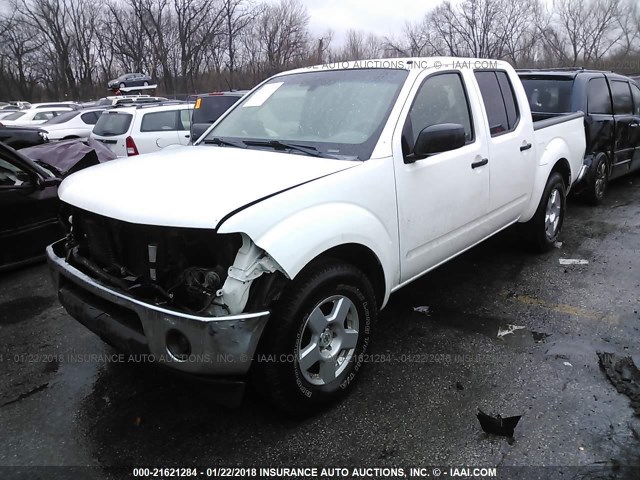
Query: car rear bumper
(220, 346)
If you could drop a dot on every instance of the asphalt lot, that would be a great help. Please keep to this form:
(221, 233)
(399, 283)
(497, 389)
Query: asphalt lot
(416, 406)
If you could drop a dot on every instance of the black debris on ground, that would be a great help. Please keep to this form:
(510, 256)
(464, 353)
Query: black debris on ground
(623, 373)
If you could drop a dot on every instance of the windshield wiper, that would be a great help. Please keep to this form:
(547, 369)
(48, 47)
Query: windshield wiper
(226, 143)
(278, 145)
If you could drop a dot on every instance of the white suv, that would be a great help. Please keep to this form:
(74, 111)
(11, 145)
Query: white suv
(130, 131)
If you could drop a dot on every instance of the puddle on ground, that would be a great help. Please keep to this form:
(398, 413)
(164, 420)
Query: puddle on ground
(498, 329)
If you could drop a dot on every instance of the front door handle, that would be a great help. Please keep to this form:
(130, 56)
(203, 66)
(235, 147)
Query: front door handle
(481, 163)
(524, 147)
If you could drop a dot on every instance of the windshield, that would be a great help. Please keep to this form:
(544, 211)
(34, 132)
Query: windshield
(549, 95)
(338, 113)
(14, 116)
(110, 124)
(62, 118)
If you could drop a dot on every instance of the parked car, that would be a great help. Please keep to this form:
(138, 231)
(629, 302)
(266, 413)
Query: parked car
(271, 244)
(130, 131)
(612, 121)
(33, 116)
(209, 107)
(29, 203)
(75, 124)
(22, 137)
(130, 80)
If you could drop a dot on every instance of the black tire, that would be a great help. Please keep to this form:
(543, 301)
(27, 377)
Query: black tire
(145, 84)
(123, 85)
(536, 233)
(277, 373)
(598, 184)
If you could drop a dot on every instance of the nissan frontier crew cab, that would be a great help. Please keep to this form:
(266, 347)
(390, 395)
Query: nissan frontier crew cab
(267, 249)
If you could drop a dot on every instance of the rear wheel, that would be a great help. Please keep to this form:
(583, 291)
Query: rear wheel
(598, 185)
(122, 85)
(146, 84)
(542, 231)
(311, 352)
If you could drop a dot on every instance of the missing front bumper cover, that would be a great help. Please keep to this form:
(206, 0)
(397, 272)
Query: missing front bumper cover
(219, 345)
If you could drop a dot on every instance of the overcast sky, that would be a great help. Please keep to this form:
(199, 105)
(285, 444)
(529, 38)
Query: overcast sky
(383, 17)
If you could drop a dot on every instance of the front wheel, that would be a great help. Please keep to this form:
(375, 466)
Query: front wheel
(312, 350)
(122, 85)
(542, 231)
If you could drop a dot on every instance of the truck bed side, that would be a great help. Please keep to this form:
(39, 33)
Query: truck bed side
(557, 138)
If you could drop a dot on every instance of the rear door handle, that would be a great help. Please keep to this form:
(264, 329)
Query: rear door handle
(524, 147)
(481, 163)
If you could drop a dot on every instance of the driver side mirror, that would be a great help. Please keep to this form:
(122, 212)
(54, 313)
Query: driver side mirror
(437, 139)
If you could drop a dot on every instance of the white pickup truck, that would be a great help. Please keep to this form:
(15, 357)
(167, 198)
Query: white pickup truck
(269, 247)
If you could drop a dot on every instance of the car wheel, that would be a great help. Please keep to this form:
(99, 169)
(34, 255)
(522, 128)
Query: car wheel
(146, 84)
(543, 230)
(312, 350)
(123, 85)
(598, 185)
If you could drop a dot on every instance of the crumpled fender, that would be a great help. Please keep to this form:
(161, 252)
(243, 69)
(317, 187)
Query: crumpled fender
(296, 240)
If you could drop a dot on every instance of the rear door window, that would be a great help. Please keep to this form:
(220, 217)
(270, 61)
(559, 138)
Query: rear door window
(598, 97)
(160, 121)
(111, 124)
(493, 102)
(622, 100)
(509, 97)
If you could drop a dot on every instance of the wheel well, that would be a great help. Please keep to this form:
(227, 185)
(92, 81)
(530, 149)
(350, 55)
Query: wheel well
(563, 168)
(363, 258)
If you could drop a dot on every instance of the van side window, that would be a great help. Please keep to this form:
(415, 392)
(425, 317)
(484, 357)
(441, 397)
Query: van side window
(159, 121)
(440, 99)
(499, 101)
(636, 99)
(598, 97)
(622, 102)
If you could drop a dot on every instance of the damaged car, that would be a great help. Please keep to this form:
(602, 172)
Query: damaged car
(266, 250)
(29, 182)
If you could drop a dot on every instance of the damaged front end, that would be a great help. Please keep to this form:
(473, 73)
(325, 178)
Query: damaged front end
(177, 293)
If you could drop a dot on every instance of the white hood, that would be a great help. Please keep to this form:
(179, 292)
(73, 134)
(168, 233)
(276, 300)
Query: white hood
(193, 186)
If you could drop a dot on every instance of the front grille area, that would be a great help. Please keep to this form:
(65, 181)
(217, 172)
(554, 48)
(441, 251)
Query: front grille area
(166, 265)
